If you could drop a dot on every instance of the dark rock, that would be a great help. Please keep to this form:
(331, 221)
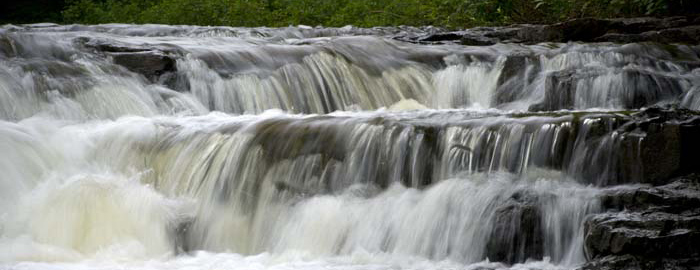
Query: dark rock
(518, 72)
(687, 34)
(652, 235)
(113, 46)
(585, 29)
(628, 262)
(621, 38)
(176, 81)
(148, 63)
(625, 30)
(477, 40)
(503, 33)
(645, 24)
(639, 87)
(106, 46)
(658, 227)
(518, 233)
(515, 66)
(492, 35)
(180, 233)
(650, 147)
(665, 142)
(646, 153)
(679, 196)
(560, 91)
(441, 37)
(152, 61)
(7, 46)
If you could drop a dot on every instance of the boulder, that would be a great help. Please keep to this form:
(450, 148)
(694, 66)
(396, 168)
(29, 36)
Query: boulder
(666, 142)
(560, 90)
(151, 64)
(7, 45)
(151, 61)
(518, 232)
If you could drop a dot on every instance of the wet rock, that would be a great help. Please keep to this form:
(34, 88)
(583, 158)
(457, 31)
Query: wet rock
(560, 91)
(519, 71)
(688, 34)
(103, 45)
(7, 46)
(531, 34)
(176, 81)
(518, 232)
(651, 147)
(477, 40)
(644, 24)
(152, 61)
(652, 235)
(584, 29)
(624, 30)
(111, 46)
(660, 152)
(679, 196)
(480, 36)
(148, 63)
(449, 36)
(649, 228)
(180, 234)
(569, 89)
(628, 262)
(666, 141)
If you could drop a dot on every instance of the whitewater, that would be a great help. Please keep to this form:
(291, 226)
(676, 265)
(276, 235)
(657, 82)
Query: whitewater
(183, 147)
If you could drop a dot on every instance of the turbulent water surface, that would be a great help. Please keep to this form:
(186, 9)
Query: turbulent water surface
(176, 147)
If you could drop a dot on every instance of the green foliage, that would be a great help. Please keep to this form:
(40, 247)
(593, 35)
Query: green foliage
(365, 13)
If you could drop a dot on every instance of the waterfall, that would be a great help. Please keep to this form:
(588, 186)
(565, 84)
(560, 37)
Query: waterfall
(176, 146)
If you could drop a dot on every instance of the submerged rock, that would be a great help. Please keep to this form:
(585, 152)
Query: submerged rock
(519, 71)
(576, 88)
(518, 234)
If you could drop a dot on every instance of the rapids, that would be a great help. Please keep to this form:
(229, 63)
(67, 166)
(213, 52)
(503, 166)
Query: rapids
(314, 148)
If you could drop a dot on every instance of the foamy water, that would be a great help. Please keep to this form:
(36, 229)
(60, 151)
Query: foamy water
(313, 148)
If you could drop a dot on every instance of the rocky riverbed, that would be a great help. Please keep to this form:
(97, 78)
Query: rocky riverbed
(565, 146)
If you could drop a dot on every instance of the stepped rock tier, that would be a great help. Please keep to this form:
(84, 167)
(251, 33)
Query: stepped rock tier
(567, 146)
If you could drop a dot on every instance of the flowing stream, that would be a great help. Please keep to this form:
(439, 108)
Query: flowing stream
(178, 147)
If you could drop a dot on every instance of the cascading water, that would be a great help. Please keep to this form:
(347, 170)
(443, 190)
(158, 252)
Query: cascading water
(212, 147)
